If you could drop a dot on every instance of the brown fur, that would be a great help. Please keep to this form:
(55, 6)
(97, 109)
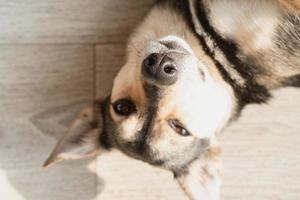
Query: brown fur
(291, 5)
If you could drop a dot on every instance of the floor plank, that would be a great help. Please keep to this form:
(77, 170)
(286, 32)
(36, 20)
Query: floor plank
(69, 21)
(109, 59)
(40, 77)
(261, 151)
(126, 178)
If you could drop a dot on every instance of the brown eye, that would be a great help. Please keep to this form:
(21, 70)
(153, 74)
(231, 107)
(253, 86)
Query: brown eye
(178, 127)
(124, 107)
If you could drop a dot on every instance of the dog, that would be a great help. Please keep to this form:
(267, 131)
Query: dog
(191, 68)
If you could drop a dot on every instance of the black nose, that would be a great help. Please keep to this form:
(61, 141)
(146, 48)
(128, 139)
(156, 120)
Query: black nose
(160, 68)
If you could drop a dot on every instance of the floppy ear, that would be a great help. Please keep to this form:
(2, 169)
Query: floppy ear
(202, 178)
(82, 138)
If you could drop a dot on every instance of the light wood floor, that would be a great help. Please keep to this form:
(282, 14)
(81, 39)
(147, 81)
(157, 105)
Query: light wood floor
(54, 55)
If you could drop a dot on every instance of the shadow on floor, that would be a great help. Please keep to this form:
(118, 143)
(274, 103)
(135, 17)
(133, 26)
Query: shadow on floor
(25, 144)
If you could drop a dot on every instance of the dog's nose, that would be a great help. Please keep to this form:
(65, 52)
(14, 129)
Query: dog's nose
(160, 68)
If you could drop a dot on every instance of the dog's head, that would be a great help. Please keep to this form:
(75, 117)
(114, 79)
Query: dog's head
(164, 108)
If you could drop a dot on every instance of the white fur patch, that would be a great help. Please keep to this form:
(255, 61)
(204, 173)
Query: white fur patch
(178, 40)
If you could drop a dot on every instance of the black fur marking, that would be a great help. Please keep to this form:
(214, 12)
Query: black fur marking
(153, 96)
(252, 92)
(293, 81)
(180, 173)
(143, 134)
(104, 139)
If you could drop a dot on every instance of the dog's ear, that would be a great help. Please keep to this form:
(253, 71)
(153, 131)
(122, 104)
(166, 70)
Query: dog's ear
(201, 179)
(82, 138)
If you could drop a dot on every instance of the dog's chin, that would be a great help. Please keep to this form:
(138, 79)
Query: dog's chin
(171, 162)
(146, 155)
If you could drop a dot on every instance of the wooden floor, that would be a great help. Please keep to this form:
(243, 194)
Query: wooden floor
(55, 55)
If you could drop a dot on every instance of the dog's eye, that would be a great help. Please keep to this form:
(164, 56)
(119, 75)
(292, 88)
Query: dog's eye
(178, 127)
(124, 107)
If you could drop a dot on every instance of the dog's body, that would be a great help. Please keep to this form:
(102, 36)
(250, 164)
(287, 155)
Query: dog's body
(192, 65)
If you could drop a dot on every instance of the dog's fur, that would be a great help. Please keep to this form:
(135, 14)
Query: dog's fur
(230, 52)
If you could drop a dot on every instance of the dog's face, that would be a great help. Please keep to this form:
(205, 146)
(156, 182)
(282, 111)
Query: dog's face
(164, 108)
(165, 105)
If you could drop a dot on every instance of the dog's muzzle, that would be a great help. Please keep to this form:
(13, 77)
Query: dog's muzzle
(160, 68)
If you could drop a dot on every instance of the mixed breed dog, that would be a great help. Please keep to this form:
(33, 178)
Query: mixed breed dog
(191, 68)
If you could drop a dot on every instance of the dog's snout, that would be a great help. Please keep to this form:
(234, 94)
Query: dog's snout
(160, 68)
